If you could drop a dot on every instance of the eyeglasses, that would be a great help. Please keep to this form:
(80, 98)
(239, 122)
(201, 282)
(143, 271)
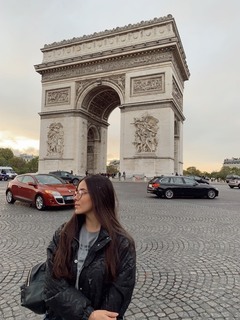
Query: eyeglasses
(80, 193)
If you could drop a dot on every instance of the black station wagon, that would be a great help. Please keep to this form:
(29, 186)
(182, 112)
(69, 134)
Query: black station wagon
(180, 186)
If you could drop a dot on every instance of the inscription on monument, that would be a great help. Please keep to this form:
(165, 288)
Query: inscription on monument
(58, 96)
(147, 85)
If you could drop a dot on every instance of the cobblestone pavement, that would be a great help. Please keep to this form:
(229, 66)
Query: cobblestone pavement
(188, 253)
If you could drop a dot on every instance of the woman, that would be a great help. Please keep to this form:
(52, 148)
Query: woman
(91, 260)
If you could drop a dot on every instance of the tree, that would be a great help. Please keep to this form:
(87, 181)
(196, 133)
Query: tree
(192, 171)
(18, 164)
(112, 170)
(6, 155)
(32, 165)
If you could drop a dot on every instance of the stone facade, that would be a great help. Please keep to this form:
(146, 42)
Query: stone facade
(139, 68)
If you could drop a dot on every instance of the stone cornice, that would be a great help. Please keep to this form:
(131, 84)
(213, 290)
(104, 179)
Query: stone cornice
(114, 63)
(72, 113)
(107, 32)
(145, 35)
(131, 49)
(167, 103)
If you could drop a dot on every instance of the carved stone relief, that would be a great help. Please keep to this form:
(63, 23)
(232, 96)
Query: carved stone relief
(90, 44)
(57, 96)
(118, 80)
(132, 61)
(55, 140)
(147, 85)
(145, 133)
(177, 94)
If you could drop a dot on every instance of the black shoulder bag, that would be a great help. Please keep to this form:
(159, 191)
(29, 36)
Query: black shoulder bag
(32, 291)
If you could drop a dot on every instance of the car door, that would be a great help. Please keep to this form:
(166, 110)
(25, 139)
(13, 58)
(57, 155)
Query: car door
(192, 188)
(26, 191)
(178, 185)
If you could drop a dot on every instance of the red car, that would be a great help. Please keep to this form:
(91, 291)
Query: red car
(42, 190)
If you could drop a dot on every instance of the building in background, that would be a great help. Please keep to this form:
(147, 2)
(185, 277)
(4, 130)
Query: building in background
(232, 163)
(27, 157)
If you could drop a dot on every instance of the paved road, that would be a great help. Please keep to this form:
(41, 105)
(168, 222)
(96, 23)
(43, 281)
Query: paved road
(188, 253)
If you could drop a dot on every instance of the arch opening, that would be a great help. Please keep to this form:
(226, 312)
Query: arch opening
(100, 102)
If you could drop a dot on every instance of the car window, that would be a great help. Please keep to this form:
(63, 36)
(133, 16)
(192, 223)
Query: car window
(190, 181)
(177, 180)
(20, 178)
(65, 174)
(45, 179)
(165, 180)
(27, 179)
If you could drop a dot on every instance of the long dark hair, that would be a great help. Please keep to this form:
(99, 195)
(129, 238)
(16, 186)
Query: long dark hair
(104, 202)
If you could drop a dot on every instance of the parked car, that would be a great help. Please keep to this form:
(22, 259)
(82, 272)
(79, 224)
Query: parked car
(67, 176)
(3, 177)
(234, 183)
(8, 172)
(180, 186)
(41, 190)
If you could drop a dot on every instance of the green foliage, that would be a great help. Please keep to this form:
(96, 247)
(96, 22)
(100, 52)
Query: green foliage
(225, 170)
(6, 155)
(192, 171)
(228, 170)
(112, 170)
(18, 164)
(32, 165)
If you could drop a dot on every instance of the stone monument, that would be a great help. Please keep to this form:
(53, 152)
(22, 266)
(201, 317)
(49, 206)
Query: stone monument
(141, 69)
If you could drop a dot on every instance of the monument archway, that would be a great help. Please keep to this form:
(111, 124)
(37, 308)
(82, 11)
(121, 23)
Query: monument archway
(139, 68)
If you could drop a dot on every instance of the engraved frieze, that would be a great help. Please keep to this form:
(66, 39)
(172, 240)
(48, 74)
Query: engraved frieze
(146, 129)
(118, 80)
(112, 41)
(177, 94)
(55, 140)
(57, 96)
(147, 85)
(146, 58)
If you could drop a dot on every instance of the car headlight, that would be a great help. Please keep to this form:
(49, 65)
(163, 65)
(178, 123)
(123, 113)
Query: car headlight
(54, 193)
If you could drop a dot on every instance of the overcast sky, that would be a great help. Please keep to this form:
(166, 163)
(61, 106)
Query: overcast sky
(209, 30)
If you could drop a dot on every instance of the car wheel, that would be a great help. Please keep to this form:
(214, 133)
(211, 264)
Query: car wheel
(211, 194)
(6, 178)
(75, 182)
(231, 187)
(9, 197)
(169, 194)
(39, 202)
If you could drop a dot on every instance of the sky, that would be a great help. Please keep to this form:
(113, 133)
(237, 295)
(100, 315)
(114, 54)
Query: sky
(209, 31)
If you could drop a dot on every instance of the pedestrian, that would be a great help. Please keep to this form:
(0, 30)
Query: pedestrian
(124, 175)
(119, 175)
(91, 260)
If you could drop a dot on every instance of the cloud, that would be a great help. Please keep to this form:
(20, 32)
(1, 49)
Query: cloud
(209, 31)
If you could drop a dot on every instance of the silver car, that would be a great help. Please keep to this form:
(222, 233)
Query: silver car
(234, 183)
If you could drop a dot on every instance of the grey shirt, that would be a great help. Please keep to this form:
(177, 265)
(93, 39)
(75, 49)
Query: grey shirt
(86, 240)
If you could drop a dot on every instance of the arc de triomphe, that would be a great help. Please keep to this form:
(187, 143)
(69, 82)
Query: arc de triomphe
(139, 68)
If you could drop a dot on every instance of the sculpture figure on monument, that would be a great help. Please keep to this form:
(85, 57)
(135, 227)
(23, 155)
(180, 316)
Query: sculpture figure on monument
(145, 133)
(55, 140)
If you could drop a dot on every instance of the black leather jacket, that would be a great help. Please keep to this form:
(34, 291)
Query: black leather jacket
(95, 292)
